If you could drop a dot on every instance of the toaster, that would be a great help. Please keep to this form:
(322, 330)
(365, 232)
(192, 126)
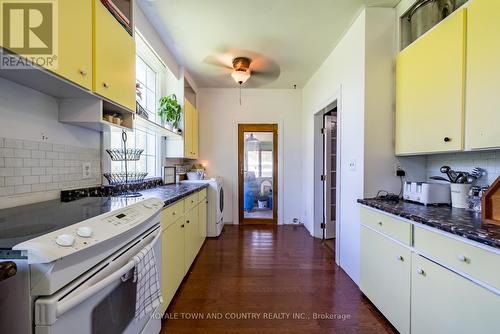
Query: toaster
(427, 193)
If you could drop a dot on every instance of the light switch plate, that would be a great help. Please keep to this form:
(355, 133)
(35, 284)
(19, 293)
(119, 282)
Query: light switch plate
(86, 170)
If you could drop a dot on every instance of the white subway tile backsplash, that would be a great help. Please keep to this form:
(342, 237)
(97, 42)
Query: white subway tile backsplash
(6, 171)
(24, 171)
(31, 179)
(52, 155)
(22, 189)
(38, 154)
(19, 153)
(6, 152)
(29, 166)
(45, 178)
(30, 145)
(45, 147)
(13, 180)
(13, 162)
(13, 143)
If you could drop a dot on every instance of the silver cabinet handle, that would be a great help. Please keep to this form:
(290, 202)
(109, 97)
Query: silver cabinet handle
(462, 258)
(421, 272)
(400, 258)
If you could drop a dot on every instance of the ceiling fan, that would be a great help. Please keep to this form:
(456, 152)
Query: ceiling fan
(247, 68)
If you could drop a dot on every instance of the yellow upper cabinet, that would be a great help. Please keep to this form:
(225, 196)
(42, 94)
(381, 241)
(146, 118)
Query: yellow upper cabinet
(114, 59)
(75, 41)
(430, 90)
(483, 71)
(190, 131)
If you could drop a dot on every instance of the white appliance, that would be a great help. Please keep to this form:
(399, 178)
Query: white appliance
(80, 276)
(215, 208)
(427, 193)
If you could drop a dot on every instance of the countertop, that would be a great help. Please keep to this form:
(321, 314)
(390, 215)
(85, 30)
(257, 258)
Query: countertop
(461, 222)
(26, 222)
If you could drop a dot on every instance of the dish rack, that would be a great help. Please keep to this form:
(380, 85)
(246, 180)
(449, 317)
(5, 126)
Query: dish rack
(125, 178)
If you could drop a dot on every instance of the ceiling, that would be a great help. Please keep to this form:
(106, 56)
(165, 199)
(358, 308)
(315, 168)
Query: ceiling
(291, 38)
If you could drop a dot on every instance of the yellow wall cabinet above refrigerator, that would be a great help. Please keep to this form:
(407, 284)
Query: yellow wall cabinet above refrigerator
(483, 72)
(114, 59)
(430, 90)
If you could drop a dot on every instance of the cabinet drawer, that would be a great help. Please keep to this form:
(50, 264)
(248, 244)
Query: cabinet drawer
(191, 201)
(172, 213)
(202, 194)
(386, 224)
(474, 261)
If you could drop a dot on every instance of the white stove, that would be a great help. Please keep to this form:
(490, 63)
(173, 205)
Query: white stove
(80, 268)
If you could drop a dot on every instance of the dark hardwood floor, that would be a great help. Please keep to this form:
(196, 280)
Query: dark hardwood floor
(279, 276)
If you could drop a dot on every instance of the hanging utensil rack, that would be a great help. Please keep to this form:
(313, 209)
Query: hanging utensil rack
(125, 178)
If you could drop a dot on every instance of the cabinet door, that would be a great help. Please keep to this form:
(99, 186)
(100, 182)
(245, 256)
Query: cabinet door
(114, 59)
(483, 70)
(430, 90)
(188, 129)
(444, 302)
(195, 136)
(172, 261)
(202, 223)
(385, 277)
(75, 41)
(191, 238)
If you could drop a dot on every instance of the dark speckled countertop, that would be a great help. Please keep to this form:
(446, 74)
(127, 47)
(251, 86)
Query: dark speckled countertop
(461, 222)
(172, 193)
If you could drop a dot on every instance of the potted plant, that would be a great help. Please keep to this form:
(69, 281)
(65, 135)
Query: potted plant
(262, 200)
(170, 112)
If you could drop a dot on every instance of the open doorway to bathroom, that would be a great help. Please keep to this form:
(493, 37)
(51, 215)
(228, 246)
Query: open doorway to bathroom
(258, 173)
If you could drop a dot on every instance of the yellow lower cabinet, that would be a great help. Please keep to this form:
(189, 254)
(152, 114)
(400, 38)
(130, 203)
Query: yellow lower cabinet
(172, 261)
(202, 223)
(191, 237)
(385, 277)
(445, 302)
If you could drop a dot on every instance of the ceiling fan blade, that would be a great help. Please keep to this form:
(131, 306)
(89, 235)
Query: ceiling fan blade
(220, 61)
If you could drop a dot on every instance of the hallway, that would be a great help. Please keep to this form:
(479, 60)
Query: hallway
(258, 279)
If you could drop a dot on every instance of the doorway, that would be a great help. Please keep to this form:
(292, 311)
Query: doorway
(258, 173)
(330, 176)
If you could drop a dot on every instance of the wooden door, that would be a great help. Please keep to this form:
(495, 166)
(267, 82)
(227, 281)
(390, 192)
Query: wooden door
(482, 94)
(430, 76)
(114, 59)
(258, 173)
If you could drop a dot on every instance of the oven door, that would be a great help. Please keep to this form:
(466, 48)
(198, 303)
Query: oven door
(103, 299)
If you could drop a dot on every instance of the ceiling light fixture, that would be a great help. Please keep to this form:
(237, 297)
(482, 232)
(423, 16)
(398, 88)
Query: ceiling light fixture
(241, 76)
(241, 73)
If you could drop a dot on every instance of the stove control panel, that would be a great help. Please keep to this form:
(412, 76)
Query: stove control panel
(71, 239)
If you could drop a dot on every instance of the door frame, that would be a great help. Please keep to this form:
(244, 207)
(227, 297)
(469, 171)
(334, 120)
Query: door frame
(241, 145)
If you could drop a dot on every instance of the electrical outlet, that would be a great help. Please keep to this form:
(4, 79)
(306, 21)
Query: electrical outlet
(352, 165)
(86, 170)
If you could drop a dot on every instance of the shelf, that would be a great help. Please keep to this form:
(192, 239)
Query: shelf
(164, 132)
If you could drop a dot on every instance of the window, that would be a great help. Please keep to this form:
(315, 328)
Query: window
(152, 77)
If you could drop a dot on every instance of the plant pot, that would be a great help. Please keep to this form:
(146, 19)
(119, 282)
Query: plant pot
(262, 204)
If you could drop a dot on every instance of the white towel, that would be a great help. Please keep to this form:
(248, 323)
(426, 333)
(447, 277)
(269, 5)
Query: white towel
(148, 283)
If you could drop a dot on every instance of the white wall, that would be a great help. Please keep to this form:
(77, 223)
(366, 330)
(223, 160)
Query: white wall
(220, 113)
